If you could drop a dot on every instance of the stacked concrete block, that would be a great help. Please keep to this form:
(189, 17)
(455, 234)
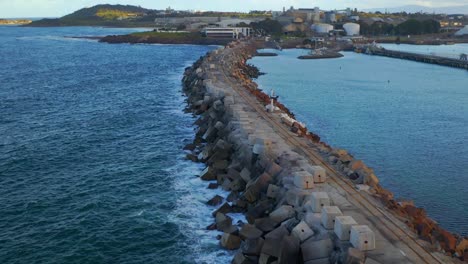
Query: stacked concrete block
(316, 201)
(319, 174)
(302, 231)
(362, 237)
(328, 216)
(304, 180)
(317, 250)
(343, 226)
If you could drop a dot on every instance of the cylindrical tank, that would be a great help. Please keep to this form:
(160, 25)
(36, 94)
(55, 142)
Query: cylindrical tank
(322, 28)
(352, 29)
(463, 31)
(330, 17)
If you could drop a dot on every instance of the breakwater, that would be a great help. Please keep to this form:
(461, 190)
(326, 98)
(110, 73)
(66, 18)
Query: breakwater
(449, 62)
(259, 156)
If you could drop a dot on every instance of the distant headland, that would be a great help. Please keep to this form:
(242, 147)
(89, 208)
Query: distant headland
(14, 21)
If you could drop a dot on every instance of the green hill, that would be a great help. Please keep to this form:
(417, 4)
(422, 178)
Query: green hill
(103, 15)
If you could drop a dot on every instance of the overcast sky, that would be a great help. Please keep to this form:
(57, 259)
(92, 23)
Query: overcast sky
(56, 8)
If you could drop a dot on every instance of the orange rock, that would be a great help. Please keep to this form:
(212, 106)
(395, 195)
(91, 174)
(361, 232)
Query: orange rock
(447, 241)
(462, 247)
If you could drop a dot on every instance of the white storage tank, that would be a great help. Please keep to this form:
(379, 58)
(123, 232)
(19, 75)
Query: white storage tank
(461, 32)
(362, 237)
(352, 29)
(322, 28)
(328, 216)
(343, 226)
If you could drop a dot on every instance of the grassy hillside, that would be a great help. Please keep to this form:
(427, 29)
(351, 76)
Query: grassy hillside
(102, 15)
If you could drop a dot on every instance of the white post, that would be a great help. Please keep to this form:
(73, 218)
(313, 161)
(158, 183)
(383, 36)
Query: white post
(272, 101)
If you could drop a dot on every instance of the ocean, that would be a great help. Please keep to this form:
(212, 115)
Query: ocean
(92, 167)
(406, 120)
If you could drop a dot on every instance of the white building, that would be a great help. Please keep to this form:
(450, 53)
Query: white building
(227, 32)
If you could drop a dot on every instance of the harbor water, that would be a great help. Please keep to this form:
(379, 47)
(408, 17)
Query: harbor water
(406, 120)
(92, 167)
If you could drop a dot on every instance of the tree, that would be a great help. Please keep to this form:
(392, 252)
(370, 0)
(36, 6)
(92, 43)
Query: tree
(430, 26)
(269, 26)
(181, 27)
(410, 27)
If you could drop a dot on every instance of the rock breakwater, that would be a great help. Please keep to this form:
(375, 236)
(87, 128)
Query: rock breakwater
(264, 161)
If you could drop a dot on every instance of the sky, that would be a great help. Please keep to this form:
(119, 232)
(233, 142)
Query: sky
(57, 8)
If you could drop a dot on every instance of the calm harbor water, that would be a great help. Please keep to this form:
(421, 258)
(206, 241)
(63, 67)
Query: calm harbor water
(91, 162)
(407, 120)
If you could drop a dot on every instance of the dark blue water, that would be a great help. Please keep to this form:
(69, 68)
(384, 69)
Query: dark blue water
(91, 162)
(407, 120)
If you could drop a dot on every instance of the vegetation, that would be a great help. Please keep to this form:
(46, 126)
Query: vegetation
(268, 26)
(416, 27)
(112, 14)
(102, 15)
(409, 27)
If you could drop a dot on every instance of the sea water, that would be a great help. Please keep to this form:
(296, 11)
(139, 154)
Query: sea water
(91, 162)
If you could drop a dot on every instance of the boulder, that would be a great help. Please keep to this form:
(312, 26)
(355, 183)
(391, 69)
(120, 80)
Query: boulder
(355, 256)
(208, 174)
(284, 212)
(266, 259)
(462, 247)
(245, 174)
(289, 250)
(190, 147)
(274, 169)
(225, 208)
(316, 249)
(302, 231)
(219, 155)
(230, 241)
(211, 227)
(217, 200)
(272, 191)
(223, 222)
(252, 247)
(233, 174)
(238, 185)
(240, 258)
(318, 261)
(278, 233)
(295, 197)
(371, 261)
(192, 157)
(232, 196)
(254, 188)
(213, 185)
(272, 246)
(258, 211)
(265, 224)
(226, 184)
(249, 231)
(220, 164)
(356, 165)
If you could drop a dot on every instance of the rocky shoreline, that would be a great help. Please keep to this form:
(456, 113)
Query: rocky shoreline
(249, 159)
